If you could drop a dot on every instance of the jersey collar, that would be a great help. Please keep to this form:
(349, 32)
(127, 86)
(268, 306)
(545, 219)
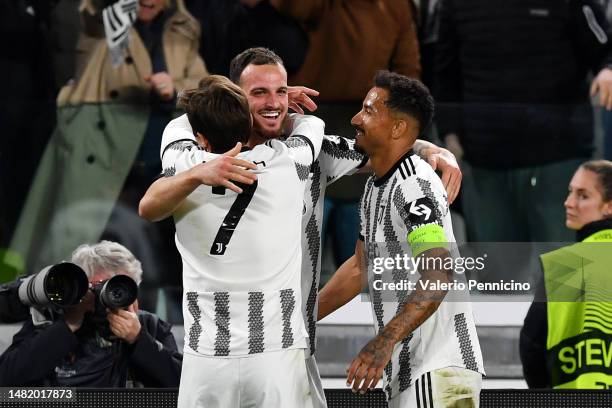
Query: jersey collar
(382, 180)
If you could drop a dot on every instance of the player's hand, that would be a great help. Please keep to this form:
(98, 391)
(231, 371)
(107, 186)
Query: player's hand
(602, 83)
(162, 84)
(300, 96)
(225, 170)
(445, 161)
(367, 368)
(124, 323)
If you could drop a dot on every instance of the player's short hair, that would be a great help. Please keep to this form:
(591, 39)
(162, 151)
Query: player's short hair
(109, 257)
(219, 110)
(603, 170)
(255, 56)
(407, 95)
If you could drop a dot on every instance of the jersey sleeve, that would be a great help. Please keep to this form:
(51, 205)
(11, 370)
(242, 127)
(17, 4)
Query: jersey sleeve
(177, 130)
(421, 213)
(183, 155)
(179, 149)
(338, 157)
(305, 138)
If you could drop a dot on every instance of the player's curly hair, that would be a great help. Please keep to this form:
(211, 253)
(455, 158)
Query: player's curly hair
(219, 110)
(407, 95)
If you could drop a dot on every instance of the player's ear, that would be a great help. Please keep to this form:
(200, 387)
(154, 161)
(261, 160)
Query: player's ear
(399, 127)
(203, 142)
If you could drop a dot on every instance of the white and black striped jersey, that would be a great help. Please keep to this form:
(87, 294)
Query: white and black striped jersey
(409, 205)
(241, 252)
(336, 159)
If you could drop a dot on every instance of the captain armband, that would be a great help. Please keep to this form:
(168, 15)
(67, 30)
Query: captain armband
(426, 237)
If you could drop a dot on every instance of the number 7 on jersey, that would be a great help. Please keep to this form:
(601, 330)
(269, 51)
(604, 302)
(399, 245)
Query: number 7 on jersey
(231, 220)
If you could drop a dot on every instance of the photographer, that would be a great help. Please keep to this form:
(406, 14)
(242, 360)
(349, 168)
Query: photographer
(128, 348)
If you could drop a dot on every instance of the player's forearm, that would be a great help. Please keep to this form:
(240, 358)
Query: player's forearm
(420, 145)
(422, 302)
(165, 195)
(344, 285)
(412, 315)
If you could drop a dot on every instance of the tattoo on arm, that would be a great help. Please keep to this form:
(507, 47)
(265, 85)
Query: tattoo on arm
(421, 303)
(378, 348)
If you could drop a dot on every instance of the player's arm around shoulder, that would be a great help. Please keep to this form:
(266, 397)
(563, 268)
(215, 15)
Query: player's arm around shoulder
(443, 160)
(165, 195)
(304, 130)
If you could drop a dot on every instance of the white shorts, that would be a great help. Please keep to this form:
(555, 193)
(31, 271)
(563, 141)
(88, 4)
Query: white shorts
(316, 386)
(442, 388)
(270, 379)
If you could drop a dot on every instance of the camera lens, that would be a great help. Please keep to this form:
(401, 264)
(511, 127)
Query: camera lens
(118, 292)
(61, 285)
(66, 284)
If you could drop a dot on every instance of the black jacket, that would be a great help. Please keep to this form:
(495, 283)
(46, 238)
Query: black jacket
(510, 77)
(53, 355)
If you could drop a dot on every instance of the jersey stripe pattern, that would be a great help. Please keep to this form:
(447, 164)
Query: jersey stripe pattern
(337, 158)
(241, 252)
(409, 198)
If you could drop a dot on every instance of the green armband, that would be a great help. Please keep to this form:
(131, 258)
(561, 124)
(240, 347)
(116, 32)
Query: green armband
(426, 237)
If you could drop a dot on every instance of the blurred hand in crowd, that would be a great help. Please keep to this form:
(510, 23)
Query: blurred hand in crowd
(162, 84)
(149, 9)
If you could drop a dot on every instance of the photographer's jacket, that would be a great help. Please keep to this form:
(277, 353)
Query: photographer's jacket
(53, 355)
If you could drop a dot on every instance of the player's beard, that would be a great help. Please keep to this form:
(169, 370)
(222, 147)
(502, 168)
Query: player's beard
(357, 146)
(266, 134)
(359, 149)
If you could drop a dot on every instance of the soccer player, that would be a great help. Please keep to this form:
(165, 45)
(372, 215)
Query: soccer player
(260, 73)
(241, 256)
(426, 349)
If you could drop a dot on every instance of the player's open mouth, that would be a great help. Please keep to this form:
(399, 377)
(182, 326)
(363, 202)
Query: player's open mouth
(270, 116)
(358, 132)
(146, 5)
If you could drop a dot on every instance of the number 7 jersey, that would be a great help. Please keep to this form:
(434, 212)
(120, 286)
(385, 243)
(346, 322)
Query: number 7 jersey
(242, 252)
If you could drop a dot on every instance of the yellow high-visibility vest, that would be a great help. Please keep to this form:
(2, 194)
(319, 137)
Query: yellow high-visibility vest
(578, 281)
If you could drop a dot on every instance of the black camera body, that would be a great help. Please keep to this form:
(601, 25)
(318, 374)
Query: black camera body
(115, 293)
